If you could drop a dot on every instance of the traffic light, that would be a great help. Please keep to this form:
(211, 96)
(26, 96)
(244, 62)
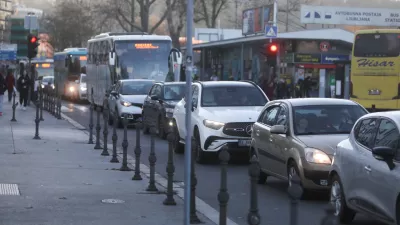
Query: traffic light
(272, 52)
(33, 43)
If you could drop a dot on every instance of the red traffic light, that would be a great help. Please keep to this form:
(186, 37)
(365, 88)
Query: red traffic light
(33, 39)
(273, 48)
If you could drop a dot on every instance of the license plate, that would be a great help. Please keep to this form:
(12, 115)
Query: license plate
(244, 143)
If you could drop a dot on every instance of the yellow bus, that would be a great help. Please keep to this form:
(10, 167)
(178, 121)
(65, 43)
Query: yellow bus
(375, 69)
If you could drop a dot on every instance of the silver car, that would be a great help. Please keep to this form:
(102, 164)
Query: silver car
(365, 174)
(298, 137)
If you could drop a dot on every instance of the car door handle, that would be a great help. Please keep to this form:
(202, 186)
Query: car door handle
(258, 132)
(368, 168)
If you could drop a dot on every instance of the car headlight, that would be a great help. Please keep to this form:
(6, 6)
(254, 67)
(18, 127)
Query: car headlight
(125, 103)
(42, 85)
(52, 86)
(71, 89)
(213, 124)
(169, 110)
(316, 156)
(83, 88)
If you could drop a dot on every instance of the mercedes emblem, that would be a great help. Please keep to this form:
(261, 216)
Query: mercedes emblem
(248, 129)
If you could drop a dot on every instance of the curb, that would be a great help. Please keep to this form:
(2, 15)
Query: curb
(202, 207)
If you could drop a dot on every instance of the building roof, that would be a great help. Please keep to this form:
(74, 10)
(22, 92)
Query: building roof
(321, 34)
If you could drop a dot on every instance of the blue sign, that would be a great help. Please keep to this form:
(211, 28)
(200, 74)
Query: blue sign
(8, 55)
(332, 58)
(271, 31)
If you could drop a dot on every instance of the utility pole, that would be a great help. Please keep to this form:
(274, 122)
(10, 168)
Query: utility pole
(29, 63)
(188, 138)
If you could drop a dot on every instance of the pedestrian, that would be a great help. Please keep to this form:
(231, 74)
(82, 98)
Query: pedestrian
(23, 88)
(214, 78)
(10, 81)
(3, 88)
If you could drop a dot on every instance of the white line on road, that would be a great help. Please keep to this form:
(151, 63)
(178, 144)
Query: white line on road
(201, 206)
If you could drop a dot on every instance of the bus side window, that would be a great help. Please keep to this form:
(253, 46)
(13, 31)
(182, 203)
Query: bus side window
(90, 53)
(95, 52)
(108, 49)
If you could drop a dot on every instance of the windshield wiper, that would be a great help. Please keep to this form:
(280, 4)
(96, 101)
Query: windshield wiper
(308, 133)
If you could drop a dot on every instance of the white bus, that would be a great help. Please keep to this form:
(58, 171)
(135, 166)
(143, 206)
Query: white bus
(116, 56)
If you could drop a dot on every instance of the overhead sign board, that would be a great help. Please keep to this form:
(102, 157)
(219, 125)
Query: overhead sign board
(254, 20)
(350, 16)
(307, 58)
(332, 58)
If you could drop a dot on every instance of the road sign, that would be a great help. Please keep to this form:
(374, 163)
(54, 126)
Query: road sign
(271, 31)
(8, 55)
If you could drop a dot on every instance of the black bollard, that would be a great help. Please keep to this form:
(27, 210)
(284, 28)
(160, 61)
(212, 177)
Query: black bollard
(91, 120)
(170, 172)
(41, 101)
(98, 128)
(52, 102)
(138, 152)
(124, 166)
(194, 219)
(253, 217)
(114, 158)
(58, 115)
(37, 121)
(105, 130)
(45, 101)
(152, 161)
(223, 195)
(295, 193)
(14, 106)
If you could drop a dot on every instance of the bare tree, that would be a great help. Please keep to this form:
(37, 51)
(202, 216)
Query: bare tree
(176, 14)
(65, 25)
(208, 11)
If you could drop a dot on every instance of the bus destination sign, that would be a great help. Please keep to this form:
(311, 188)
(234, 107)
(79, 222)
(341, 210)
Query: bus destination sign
(145, 46)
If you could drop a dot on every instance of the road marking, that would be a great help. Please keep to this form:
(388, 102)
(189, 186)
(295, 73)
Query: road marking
(9, 189)
(81, 108)
(201, 206)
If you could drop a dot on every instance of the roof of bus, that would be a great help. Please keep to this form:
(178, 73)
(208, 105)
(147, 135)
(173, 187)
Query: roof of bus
(132, 37)
(42, 60)
(72, 51)
(369, 31)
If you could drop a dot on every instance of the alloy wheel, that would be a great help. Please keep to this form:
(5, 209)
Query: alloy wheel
(336, 197)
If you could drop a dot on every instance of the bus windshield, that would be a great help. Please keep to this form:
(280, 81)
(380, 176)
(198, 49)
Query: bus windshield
(377, 45)
(77, 62)
(142, 59)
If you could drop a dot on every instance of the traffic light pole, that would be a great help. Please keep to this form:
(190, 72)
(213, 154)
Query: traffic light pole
(32, 83)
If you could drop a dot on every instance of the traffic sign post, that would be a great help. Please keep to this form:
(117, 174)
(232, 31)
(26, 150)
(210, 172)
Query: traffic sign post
(271, 31)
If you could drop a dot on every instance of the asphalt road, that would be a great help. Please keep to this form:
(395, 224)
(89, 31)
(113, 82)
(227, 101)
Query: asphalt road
(273, 198)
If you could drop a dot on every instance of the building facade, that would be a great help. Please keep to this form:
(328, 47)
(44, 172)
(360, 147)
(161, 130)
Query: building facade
(5, 13)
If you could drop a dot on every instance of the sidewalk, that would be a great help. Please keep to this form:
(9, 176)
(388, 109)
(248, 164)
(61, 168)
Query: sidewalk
(61, 180)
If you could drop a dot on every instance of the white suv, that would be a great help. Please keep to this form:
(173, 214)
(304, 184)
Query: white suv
(223, 113)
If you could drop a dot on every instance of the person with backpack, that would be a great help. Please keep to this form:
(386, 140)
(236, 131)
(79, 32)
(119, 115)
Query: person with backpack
(3, 88)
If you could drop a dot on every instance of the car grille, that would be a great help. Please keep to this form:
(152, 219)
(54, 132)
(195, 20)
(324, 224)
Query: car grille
(238, 129)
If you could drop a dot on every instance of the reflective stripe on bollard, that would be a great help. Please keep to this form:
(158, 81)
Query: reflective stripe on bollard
(138, 152)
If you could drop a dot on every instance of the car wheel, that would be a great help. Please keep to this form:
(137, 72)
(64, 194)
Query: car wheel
(292, 171)
(178, 147)
(200, 155)
(161, 128)
(337, 199)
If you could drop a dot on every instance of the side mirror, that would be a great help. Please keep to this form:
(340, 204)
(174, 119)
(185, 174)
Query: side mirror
(278, 129)
(383, 153)
(386, 154)
(111, 59)
(154, 97)
(114, 93)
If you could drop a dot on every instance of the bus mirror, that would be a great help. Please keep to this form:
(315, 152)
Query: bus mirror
(111, 59)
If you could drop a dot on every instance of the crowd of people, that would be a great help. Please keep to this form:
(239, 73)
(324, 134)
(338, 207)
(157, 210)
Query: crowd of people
(9, 84)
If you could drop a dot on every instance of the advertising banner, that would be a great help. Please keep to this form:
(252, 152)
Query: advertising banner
(307, 58)
(350, 16)
(332, 58)
(254, 20)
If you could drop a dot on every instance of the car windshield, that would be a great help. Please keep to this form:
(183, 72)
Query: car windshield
(136, 87)
(325, 119)
(224, 96)
(174, 92)
(47, 79)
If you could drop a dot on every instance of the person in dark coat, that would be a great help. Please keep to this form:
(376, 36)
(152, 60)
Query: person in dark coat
(23, 87)
(3, 88)
(10, 81)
